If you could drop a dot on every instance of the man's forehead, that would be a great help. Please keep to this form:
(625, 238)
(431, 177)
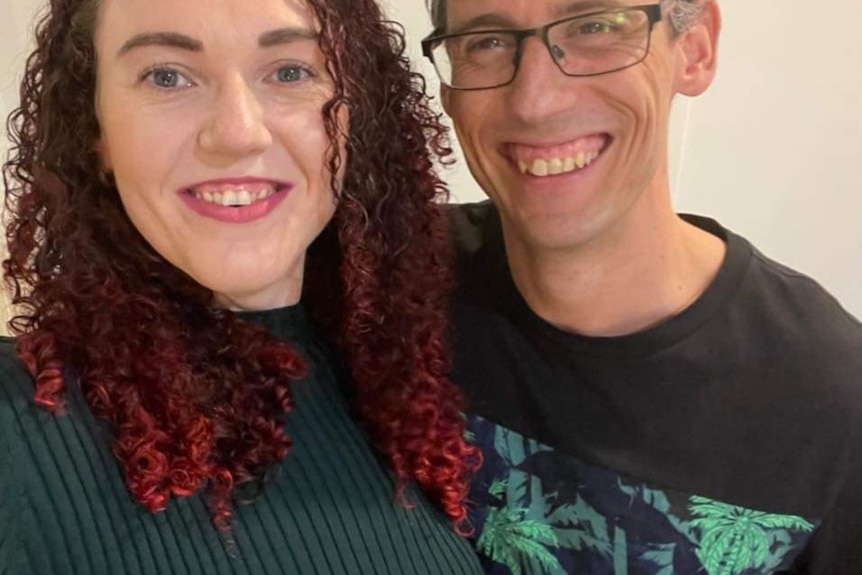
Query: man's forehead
(463, 13)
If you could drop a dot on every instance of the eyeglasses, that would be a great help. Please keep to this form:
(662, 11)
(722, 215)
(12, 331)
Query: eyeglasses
(586, 45)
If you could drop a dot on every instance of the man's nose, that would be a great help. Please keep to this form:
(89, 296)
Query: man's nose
(540, 88)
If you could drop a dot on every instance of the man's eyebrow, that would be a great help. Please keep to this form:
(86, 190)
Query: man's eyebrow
(584, 6)
(489, 20)
(286, 36)
(170, 39)
(494, 20)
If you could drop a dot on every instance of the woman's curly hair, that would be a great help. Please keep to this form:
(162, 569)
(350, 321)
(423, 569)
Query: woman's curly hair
(196, 396)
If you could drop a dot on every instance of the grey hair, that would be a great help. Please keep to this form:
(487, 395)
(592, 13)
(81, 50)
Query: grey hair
(683, 15)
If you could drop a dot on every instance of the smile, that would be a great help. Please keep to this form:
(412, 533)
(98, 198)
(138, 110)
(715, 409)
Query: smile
(559, 159)
(237, 200)
(235, 194)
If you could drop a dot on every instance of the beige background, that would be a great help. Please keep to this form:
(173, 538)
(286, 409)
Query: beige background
(774, 150)
(16, 17)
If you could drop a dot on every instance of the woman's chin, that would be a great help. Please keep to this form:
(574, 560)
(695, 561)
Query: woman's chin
(256, 296)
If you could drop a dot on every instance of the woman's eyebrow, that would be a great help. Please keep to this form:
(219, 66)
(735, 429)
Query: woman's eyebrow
(184, 42)
(170, 39)
(286, 36)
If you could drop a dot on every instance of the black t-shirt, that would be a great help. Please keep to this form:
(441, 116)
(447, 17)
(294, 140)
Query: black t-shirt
(725, 440)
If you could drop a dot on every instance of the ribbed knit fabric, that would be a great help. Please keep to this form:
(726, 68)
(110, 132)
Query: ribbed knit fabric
(330, 508)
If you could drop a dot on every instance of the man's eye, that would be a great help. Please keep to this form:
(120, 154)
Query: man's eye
(595, 28)
(487, 43)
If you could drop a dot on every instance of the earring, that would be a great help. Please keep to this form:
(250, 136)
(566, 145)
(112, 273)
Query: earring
(106, 178)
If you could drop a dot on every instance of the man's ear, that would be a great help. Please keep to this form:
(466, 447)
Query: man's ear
(698, 52)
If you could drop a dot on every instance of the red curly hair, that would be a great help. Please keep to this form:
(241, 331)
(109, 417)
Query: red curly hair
(194, 394)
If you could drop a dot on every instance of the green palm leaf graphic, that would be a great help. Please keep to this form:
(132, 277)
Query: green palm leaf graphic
(790, 522)
(661, 556)
(735, 538)
(512, 540)
(498, 489)
(580, 527)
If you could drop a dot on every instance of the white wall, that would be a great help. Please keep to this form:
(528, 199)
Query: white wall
(413, 15)
(16, 18)
(774, 149)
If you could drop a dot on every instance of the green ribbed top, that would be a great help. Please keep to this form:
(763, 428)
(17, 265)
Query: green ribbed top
(329, 509)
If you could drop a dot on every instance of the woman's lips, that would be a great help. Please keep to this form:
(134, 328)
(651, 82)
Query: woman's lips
(236, 201)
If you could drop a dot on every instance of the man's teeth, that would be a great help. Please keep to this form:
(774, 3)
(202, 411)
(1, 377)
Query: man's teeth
(557, 166)
(237, 197)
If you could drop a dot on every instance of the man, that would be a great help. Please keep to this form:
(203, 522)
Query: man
(652, 394)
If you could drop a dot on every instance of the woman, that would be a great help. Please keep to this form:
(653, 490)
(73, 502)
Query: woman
(184, 173)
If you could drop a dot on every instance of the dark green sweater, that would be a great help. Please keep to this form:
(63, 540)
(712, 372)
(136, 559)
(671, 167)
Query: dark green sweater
(330, 508)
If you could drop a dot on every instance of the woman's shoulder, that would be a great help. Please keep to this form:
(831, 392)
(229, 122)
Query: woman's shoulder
(17, 390)
(15, 379)
(16, 397)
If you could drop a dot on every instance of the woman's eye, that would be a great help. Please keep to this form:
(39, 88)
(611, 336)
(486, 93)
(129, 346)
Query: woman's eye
(167, 79)
(291, 74)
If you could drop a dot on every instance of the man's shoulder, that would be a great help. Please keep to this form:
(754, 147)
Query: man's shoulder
(772, 296)
(796, 299)
(474, 226)
(793, 326)
(481, 267)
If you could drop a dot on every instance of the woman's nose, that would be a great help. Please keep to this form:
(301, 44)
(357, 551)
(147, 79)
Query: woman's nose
(236, 125)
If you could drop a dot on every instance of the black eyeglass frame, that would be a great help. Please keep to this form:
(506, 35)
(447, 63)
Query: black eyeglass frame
(654, 16)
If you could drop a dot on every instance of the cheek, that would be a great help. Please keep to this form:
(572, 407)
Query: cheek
(467, 111)
(141, 148)
(305, 144)
(472, 118)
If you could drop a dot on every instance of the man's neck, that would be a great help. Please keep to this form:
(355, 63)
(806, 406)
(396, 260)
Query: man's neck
(652, 267)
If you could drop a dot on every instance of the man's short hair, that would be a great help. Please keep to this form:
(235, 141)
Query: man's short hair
(683, 15)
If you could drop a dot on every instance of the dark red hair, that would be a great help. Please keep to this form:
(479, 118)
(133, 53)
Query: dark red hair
(192, 393)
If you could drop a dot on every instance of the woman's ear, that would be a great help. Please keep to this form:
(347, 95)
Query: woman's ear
(698, 52)
(101, 147)
(104, 154)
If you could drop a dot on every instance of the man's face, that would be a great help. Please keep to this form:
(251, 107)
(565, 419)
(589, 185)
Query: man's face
(517, 138)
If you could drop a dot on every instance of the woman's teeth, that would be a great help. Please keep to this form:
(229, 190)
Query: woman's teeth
(234, 197)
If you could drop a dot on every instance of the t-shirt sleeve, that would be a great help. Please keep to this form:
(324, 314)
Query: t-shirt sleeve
(836, 548)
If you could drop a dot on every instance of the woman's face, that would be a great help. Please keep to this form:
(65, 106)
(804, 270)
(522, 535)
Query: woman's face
(210, 112)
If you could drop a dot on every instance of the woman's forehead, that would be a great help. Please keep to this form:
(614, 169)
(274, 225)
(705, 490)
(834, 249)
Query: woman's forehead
(208, 21)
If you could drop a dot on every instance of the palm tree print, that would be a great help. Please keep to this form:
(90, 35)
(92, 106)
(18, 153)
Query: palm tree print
(735, 539)
(512, 539)
(538, 511)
